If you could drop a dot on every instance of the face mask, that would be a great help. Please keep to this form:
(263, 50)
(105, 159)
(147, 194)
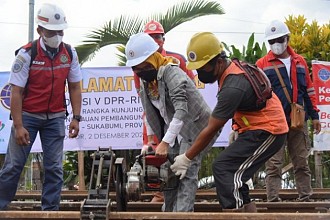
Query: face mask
(149, 75)
(207, 77)
(54, 41)
(278, 48)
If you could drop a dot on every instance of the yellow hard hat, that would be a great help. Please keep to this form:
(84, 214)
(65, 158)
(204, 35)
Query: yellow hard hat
(201, 49)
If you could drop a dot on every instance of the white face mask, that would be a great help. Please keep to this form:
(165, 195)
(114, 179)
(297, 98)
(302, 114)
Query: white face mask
(54, 41)
(279, 48)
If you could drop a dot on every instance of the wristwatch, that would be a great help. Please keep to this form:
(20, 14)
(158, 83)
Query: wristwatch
(77, 117)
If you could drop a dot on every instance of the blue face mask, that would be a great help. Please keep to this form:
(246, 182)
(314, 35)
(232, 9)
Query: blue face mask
(148, 75)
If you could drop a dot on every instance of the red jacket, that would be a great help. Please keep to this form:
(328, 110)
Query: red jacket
(45, 88)
(302, 91)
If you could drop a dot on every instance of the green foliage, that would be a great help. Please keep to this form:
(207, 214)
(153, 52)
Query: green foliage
(206, 166)
(120, 29)
(70, 164)
(70, 167)
(250, 54)
(310, 40)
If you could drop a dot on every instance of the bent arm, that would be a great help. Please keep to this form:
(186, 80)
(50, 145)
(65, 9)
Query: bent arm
(206, 135)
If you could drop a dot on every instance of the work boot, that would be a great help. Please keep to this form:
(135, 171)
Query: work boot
(158, 197)
(250, 207)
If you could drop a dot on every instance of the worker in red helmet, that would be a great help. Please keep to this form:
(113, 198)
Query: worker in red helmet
(156, 31)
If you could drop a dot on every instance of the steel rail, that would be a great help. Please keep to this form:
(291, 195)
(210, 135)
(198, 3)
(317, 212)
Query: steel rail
(26, 215)
(267, 207)
(257, 194)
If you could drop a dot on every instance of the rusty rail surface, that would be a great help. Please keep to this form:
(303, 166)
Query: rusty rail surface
(257, 194)
(267, 207)
(25, 215)
(28, 206)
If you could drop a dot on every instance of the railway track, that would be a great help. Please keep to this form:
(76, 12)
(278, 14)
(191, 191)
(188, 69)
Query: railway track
(28, 206)
(209, 195)
(17, 215)
(262, 207)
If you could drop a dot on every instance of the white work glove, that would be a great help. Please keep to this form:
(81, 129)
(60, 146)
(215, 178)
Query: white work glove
(180, 166)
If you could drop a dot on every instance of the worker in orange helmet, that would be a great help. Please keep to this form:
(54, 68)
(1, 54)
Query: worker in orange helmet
(156, 31)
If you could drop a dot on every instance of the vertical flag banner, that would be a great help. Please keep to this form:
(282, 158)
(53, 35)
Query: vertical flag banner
(111, 111)
(321, 80)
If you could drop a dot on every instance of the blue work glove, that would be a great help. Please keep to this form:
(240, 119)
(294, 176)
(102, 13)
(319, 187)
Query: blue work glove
(180, 165)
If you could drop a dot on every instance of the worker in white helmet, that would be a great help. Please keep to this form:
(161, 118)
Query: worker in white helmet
(298, 88)
(37, 105)
(175, 110)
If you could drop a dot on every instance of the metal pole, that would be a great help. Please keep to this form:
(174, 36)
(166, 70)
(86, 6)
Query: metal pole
(318, 169)
(31, 20)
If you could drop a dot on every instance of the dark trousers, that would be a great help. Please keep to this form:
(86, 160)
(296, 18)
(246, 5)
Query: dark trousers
(239, 161)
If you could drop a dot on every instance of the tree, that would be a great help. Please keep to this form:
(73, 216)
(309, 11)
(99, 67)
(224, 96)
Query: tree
(310, 40)
(120, 29)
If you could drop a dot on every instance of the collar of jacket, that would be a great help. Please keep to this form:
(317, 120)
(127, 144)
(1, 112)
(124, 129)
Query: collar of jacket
(162, 69)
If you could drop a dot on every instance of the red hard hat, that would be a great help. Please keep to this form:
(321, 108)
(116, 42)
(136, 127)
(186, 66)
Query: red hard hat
(153, 27)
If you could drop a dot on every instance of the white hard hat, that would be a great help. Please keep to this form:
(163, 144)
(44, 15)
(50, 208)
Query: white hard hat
(276, 29)
(138, 48)
(51, 17)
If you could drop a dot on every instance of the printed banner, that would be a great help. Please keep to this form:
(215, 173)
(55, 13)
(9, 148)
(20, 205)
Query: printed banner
(321, 79)
(111, 110)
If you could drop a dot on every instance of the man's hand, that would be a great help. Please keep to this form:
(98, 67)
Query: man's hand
(162, 149)
(22, 136)
(73, 129)
(180, 166)
(316, 126)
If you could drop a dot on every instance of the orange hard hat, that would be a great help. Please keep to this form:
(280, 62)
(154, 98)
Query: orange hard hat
(153, 27)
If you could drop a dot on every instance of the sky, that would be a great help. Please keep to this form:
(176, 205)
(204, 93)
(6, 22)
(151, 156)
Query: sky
(241, 19)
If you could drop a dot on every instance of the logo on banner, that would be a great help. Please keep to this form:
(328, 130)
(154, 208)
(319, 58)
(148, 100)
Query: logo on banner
(5, 96)
(324, 75)
(2, 125)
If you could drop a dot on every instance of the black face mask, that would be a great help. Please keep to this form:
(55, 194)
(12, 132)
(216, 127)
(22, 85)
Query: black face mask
(207, 76)
(149, 75)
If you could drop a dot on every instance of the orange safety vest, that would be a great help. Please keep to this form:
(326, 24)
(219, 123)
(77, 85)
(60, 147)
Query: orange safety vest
(271, 118)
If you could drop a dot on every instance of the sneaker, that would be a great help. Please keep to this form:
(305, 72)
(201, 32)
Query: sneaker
(305, 199)
(275, 200)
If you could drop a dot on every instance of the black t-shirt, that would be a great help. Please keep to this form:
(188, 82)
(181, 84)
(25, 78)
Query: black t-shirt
(236, 94)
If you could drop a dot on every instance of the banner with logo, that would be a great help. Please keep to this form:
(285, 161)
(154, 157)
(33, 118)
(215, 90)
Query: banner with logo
(111, 110)
(321, 79)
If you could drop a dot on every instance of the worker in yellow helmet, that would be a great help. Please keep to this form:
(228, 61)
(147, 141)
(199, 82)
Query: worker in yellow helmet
(261, 131)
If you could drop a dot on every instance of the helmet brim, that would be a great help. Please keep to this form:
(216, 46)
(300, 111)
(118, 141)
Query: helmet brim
(54, 27)
(136, 61)
(276, 36)
(198, 64)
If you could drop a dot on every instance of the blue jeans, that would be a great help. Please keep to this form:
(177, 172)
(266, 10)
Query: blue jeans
(52, 132)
